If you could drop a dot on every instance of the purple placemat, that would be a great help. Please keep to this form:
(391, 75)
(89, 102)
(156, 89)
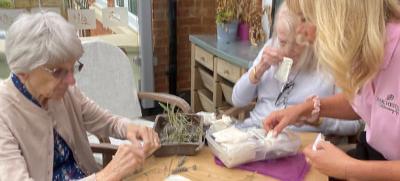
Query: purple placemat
(292, 168)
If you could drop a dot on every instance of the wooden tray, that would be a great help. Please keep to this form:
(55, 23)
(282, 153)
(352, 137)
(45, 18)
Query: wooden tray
(178, 148)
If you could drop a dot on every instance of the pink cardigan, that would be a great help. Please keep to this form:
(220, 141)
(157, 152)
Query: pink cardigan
(26, 132)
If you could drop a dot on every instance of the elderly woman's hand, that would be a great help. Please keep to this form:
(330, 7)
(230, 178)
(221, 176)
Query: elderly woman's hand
(271, 56)
(126, 161)
(137, 133)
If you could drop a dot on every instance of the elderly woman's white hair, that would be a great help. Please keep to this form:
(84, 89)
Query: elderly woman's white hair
(43, 38)
(290, 21)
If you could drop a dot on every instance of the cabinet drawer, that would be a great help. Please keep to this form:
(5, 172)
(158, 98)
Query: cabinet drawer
(228, 70)
(204, 58)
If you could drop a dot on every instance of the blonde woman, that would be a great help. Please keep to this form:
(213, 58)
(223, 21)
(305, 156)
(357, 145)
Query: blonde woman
(304, 80)
(357, 41)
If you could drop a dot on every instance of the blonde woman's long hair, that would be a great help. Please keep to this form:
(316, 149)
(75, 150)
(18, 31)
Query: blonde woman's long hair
(350, 37)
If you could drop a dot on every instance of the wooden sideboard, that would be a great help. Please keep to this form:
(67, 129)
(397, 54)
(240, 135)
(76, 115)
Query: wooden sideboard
(215, 68)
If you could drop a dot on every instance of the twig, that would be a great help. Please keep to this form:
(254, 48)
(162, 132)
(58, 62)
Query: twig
(181, 161)
(144, 172)
(179, 170)
(169, 168)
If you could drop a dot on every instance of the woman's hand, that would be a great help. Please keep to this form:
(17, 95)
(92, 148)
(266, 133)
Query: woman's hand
(329, 160)
(127, 160)
(270, 56)
(137, 133)
(278, 120)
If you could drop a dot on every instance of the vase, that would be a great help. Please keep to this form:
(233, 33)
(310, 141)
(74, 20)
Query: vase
(243, 31)
(227, 32)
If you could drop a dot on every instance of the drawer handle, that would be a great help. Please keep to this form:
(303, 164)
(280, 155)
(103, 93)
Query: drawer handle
(226, 72)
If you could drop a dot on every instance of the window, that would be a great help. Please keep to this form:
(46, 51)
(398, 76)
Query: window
(132, 5)
(120, 3)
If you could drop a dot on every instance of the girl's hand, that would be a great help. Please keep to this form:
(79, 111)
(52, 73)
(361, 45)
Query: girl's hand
(329, 159)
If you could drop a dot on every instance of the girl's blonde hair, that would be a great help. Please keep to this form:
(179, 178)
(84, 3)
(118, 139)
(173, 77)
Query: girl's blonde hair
(350, 37)
(290, 22)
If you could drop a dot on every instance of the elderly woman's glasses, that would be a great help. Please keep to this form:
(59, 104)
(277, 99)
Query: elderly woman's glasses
(60, 73)
(284, 94)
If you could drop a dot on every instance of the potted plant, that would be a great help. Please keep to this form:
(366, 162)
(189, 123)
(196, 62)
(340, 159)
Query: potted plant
(227, 20)
(256, 33)
(180, 134)
(5, 4)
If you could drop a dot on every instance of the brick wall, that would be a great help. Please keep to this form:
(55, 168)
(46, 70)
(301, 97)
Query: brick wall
(160, 43)
(193, 17)
(100, 30)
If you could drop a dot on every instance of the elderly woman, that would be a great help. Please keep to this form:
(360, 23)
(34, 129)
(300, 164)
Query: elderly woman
(44, 117)
(304, 80)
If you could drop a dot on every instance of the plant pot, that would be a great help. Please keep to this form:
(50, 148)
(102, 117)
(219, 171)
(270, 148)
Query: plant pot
(190, 148)
(243, 31)
(227, 32)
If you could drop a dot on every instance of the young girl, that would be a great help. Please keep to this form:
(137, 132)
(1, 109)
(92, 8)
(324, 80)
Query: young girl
(357, 42)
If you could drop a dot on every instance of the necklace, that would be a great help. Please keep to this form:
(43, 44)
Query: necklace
(283, 96)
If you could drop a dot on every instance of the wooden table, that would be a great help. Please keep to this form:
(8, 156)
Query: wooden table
(158, 168)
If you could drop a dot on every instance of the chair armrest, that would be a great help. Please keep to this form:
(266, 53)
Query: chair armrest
(107, 150)
(166, 98)
(103, 148)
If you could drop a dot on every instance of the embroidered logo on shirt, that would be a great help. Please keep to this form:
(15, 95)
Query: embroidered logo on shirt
(389, 104)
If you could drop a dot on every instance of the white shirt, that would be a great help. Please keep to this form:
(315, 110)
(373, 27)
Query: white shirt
(267, 90)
